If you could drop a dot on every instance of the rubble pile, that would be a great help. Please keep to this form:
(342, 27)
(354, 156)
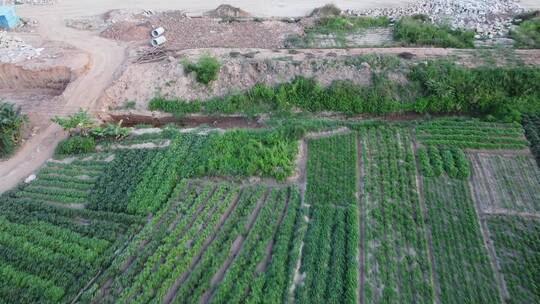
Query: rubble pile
(489, 18)
(13, 49)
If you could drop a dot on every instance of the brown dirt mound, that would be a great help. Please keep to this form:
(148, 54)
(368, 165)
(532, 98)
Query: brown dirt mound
(128, 31)
(328, 10)
(227, 11)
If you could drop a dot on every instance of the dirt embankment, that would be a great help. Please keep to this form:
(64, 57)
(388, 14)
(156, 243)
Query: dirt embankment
(243, 68)
(13, 76)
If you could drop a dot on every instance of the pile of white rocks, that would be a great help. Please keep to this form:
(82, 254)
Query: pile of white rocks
(489, 18)
(13, 49)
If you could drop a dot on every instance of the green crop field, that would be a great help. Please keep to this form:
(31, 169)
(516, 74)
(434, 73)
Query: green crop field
(435, 211)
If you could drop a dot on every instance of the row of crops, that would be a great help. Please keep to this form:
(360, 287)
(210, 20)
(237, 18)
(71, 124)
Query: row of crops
(397, 267)
(462, 265)
(330, 253)
(473, 134)
(517, 244)
(452, 161)
(48, 253)
(179, 256)
(66, 183)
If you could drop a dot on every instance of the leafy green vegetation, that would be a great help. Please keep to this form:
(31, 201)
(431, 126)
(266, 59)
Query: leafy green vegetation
(206, 69)
(76, 145)
(471, 133)
(527, 33)
(461, 259)
(331, 244)
(11, 122)
(438, 87)
(517, 243)
(47, 253)
(119, 179)
(397, 267)
(248, 153)
(419, 31)
(79, 123)
(363, 219)
(505, 93)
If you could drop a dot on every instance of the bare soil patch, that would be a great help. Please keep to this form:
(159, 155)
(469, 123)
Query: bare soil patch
(189, 121)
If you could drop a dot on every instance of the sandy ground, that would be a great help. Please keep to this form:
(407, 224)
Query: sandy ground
(106, 56)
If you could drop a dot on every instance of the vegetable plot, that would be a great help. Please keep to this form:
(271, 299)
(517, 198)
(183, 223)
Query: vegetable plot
(461, 260)
(517, 244)
(473, 134)
(330, 253)
(397, 267)
(48, 253)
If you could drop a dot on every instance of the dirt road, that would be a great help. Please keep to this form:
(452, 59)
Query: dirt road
(106, 56)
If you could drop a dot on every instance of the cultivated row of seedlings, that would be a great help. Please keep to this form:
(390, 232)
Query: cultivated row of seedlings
(64, 183)
(472, 134)
(517, 244)
(209, 243)
(462, 266)
(452, 161)
(397, 266)
(330, 254)
(48, 253)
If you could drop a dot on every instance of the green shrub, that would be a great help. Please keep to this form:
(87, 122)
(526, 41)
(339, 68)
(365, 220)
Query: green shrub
(423, 158)
(435, 160)
(505, 93)
(527, 34)
(419, 31)
(341, 24)
(206, 69)
(449, 164)
(436, 87)
(11, 122)
(462, 164)
(76, 145)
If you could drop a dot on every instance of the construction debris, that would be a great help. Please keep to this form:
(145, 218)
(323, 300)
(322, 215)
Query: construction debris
(13, 49)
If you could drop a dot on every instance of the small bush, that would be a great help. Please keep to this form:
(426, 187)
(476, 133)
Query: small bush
(527, 34)
(76, 145)
(331, 25)
(206, 69)
(419, 31)
(11, 122)
(325, 11)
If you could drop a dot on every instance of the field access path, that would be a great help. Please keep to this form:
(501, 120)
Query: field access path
(106, 56)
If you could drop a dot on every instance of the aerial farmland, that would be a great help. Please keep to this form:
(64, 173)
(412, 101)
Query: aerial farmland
(270, 153)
